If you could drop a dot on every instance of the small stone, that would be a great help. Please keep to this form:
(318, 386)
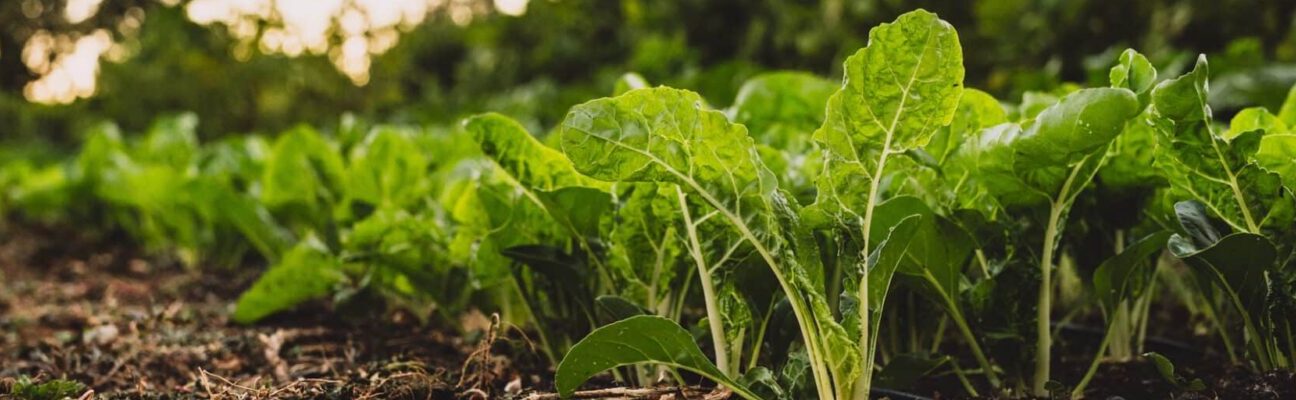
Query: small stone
(514, 386)
(100, 335)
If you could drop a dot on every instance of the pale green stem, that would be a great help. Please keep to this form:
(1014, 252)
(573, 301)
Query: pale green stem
(985, 265)
(940, 334)
(1078, 392)
(962, 377)
(708, 290)
(956, 314)
(1044, 342)
(866, 347)
(760, 339)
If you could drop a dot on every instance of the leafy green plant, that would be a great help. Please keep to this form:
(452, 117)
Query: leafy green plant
(1047, 163)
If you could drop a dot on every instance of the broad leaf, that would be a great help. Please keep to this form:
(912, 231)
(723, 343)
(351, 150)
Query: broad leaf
(1055, 154)
(1254, 119)
(303, 169)
(306, 272)
(1236, 263)
(895, 94)
(1205, 166)
(533, 164)
(387, 170)
(637, 340)
(782, 109)
(1277, 154)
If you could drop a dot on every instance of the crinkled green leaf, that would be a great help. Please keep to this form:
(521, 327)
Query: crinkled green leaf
(533, 164)
(896, 93)
(669, 136)
(1202, 165)
(306, 272)
(638, 340)
(644, 247)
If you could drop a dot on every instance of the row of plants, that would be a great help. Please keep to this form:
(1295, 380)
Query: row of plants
(815, 239)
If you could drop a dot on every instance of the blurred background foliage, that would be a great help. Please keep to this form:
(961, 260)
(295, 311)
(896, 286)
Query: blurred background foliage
(444, 59)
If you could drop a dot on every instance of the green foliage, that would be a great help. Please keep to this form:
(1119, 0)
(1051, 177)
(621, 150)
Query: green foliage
(55, 389)
(650, 211)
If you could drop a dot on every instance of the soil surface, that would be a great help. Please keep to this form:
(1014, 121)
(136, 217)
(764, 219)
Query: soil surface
(133, 327)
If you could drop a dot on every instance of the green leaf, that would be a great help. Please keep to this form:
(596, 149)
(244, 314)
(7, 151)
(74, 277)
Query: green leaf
(1184, 98)
(1277, 154)
(883, 263)
(535, 190)
(388, 169)
(171, 141)
(1253, 119)
(782, 109)
(637, 340)
(1129, 158)
(1033, 165)
(645, 250)
(1287, 114)
(896, 94)
(1202, 165)
(1236, 263)
(976, 110)
(303, 169)
(898, 90)
(1131, 153)
(534, 165)
(1125, 275)
(1133, 71)
(306, 272)
(938, 247)
(579, 209)
(1166, 369)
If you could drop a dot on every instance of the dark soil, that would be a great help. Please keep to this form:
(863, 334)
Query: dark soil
(130, 326)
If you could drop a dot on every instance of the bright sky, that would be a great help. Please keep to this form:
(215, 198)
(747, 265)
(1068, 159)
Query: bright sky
(68, 64)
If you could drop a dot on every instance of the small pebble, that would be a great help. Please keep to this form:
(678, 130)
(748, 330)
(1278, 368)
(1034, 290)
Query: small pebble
(101, 335)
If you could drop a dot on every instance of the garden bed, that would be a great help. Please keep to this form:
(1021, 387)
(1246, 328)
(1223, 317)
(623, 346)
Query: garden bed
(126, 326)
